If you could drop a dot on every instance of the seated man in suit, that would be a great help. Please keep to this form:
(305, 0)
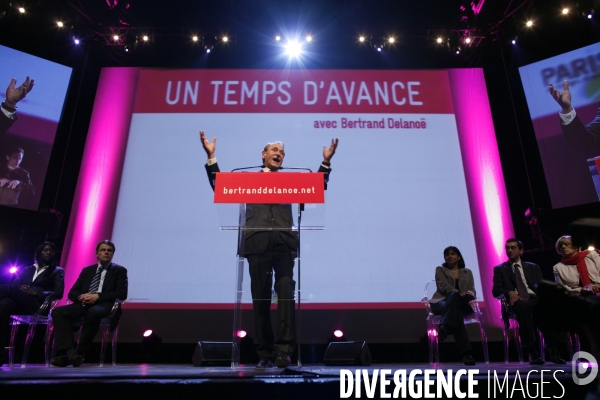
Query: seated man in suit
(27, 292)
(93, 296)
(515, 279)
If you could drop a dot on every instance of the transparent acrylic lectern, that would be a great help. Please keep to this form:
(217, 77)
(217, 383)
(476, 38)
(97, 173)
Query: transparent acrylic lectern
(269, 231)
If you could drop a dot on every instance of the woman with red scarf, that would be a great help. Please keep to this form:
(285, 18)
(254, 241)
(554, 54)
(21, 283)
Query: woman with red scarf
(579, 271)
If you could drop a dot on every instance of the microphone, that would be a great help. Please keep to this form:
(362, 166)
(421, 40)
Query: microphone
(239, 169)
(305, 169)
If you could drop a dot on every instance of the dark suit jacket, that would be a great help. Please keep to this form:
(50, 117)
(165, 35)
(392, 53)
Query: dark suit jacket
(583, 137)
(114, 285)
(5, 123)
(48, 283)
(505, 281)
(444, 281)
(274, 216)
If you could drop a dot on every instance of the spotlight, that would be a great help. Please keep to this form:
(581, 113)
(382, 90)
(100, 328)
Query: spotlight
(278, 38)
(336, 336)
(361, 39)
(13, 270)
(242, 333)
(391, 40)
(529, 23)
(225, 39)
(457, 51)
(195, 38)
(565, 11)
(590, 16)
(151, 346)
(309, 39)
(60, 24)
(439, 40)
(76, 40)
(21, 10)
(468, 40)
(145, 38)
(208, 50)
(514, 41)
(293, 48)
(116, 38)
(379, 49)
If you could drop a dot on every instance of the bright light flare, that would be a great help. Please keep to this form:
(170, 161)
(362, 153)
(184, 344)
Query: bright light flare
(60, 24)
(242, 333)
(361, 39)
(225, 39)
(468, 40)
(529, 23)
(195, 38)
(439, 40)
(145, 38)
(591, 248)
(147, 332)
(116, 38)
(13, 270)
(338, 333)
(278, 38)
(514, 41)
(293, 48)
(391, 40)
(76, 40)
(309, 39)
(21, 10)
(565, 11)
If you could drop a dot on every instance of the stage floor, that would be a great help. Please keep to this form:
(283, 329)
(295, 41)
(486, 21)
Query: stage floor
(133, 381)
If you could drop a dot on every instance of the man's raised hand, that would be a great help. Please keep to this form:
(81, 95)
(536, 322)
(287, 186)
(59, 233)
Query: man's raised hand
(562, 98)
(329, 152)
(209, 147)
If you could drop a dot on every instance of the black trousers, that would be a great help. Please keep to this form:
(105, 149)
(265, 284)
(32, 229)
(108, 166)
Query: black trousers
(14, 302)
(279, 259)
(64, 317)
(524, 311)
(453, 310)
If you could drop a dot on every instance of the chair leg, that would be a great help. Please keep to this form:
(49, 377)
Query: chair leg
(105, 333)
(570, 345)
(542, 345)
(28, 341)
(517, 338)
(506, 345)
(13, 337)
(430, 332)
(577, 344)
(114, 346)
(49, 345)
(484, 343)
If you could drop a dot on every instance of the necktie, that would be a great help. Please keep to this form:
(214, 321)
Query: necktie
(96, 281)
(521, 288)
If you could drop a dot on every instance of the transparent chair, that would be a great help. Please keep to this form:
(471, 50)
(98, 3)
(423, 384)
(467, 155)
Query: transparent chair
(513, 325)
(40, 317)
(108, 326)
(433, 322)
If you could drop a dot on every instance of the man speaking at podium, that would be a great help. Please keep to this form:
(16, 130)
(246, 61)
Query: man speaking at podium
(270, 251)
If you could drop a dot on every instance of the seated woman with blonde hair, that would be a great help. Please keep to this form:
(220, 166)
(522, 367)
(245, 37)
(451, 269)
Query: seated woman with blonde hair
(455, 289)
(579, 271)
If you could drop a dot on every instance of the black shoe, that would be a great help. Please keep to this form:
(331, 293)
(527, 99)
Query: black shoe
(283, 360)
(76, 360)
(442, 334)
(534, 359)
(265, 362)
(468, 359)
(558, 360)
(61, 361)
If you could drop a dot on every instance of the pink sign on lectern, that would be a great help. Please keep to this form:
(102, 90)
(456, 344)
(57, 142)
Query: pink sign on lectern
(269, 188)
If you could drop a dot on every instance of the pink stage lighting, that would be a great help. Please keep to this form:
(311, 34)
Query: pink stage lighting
(242, 333)
(148, 332)
(13, 270)
(338, 333)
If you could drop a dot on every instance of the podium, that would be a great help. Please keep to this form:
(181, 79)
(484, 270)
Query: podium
(260, 207)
